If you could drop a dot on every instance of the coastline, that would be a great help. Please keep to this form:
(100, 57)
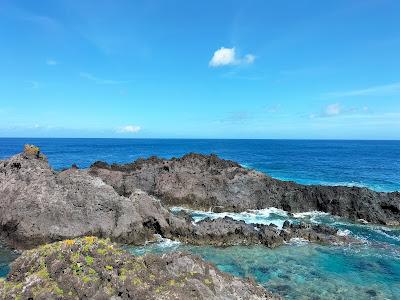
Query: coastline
(134, 203)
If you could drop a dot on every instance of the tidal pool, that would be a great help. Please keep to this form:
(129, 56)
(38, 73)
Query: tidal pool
(298, 270)
(301, 270)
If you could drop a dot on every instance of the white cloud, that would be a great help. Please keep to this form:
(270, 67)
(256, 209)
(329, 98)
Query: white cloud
(51, 62)
(223, 57)
(336, 110)
(378, 90)
(227, 57)
(249, 58)
(129, 129)
(333, 110)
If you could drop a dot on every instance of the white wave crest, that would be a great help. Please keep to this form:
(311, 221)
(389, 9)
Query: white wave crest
(264, 216)
(345, 232)
(165, 243)
(313, 216)
(298, 241)
(314, 213)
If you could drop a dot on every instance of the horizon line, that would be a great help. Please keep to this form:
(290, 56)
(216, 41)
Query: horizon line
(178, 138)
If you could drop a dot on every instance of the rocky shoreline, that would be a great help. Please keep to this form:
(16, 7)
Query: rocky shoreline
(129, 204)
(92, 268)
(229, 232)
(207, 182)
(39, 205)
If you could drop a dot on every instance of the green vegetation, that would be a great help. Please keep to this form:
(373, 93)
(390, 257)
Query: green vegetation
(89, 260)
(109, 268)
(89, 265)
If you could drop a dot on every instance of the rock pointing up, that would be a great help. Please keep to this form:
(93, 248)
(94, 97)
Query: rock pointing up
(32, 151)
(39, 205)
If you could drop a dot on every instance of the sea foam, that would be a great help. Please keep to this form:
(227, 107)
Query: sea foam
(265, 216)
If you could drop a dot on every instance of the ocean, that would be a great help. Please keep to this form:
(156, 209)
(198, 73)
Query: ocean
(373, 164)
(299, 270)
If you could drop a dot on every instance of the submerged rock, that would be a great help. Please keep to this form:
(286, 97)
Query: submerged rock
(208, 182)
(91, 268)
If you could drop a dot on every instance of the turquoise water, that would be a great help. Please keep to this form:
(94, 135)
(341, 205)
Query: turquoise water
(368, 269)
(6, 257)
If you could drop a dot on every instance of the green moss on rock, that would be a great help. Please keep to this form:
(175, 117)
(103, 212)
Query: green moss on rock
(89, 267)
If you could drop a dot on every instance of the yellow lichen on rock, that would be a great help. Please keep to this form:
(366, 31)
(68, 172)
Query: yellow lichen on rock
(31, 150)
(79, 269)
(69, 242)
(90, 239)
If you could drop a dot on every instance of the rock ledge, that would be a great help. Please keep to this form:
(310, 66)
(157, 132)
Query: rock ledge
(92, 268)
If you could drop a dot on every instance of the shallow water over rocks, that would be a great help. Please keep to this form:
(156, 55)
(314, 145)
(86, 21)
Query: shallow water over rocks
(301, 270)
(298, 270)
(6, 257)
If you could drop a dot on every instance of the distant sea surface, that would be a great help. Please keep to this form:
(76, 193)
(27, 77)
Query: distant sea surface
(368, 269)
(373, 164)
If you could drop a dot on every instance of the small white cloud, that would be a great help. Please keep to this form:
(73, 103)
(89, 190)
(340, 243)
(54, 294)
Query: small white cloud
(249, 58)
(333, 110)
(223, 57)
(227, 57)
(129, 129)
(336, 110)
(51, 62)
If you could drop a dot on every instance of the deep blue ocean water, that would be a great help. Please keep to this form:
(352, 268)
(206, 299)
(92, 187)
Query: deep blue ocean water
(374, 164)
(299, 270)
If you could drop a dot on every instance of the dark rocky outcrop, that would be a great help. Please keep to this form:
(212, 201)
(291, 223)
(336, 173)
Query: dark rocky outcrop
(38, 205)
(91, 268)
(228, 232)
(206, 181)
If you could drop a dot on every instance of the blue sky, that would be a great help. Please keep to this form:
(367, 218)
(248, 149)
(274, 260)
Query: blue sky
(200, 69)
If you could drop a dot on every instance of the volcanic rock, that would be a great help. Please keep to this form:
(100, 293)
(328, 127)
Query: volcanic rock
(91, 268)
(208, 182)
(226, 231)
(39, 205)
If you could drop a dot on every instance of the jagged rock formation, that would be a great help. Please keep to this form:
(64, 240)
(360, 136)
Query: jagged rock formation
(228, 232)
(204, 182)
(91, 268)
(38, 205)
